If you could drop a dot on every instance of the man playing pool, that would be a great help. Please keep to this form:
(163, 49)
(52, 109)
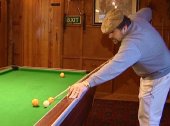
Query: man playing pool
(143, 49)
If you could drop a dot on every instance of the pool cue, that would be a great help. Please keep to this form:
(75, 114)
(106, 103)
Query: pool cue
(95, 70)
(61, 93)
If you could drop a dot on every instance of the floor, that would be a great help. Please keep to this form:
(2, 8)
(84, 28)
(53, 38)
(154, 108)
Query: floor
(118, 110)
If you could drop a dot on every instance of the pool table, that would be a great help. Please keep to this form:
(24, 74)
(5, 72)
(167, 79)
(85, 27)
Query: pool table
(19, 85)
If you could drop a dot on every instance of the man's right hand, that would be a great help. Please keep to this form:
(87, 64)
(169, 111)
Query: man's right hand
(76, 90)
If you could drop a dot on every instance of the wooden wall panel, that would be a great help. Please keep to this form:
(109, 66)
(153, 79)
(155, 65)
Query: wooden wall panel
(3, 33)
(91, 63)
(71, 63)
(35, 26)
(74, 7)
(36, 32)
(89, 12)
(96, 45)
(56, 25)
(15, 39)
(72, 42)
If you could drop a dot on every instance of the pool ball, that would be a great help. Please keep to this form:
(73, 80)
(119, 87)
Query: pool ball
(62, 75)
(35, 102)
(46, 103)
(51, 99)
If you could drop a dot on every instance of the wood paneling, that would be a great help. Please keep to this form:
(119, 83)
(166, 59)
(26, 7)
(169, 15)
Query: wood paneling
(91, 63)
(72, 42)
(15, 31)
(71, 63)
(74, 7)
(3, 33)
(56, 33)
(36, 32)
(96, 45)
(89, 12)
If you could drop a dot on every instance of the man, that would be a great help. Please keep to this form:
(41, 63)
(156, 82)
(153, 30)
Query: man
(142, 48)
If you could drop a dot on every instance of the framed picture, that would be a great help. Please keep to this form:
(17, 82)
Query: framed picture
(101, 7)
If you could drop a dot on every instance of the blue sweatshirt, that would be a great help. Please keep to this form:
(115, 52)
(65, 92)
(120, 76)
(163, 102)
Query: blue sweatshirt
(142, 48)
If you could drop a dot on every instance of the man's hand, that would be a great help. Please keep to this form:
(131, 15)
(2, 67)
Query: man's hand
(77, 89)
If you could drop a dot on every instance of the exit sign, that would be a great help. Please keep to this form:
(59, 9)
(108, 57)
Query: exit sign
(73, 19)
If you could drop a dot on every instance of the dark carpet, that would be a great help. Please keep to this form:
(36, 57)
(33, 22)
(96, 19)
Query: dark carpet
(119, 113)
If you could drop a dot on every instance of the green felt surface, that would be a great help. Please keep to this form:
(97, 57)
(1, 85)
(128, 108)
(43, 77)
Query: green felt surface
(19, 87)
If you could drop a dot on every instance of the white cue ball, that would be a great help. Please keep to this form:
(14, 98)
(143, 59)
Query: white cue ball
(46, 103)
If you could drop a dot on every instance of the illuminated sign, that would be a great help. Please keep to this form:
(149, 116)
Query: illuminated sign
(73, 20)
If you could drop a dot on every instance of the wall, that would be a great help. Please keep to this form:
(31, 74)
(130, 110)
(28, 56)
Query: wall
(35, 32)
(3, 33)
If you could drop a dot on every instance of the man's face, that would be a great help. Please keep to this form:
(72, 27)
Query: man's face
(117, 35)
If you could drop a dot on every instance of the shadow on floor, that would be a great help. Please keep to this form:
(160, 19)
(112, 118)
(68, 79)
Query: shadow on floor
(119, 113)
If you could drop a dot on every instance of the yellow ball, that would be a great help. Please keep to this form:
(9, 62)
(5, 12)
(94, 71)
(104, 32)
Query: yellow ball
(35, 102)
(51, 99)
(62, 75)
(46, 103)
